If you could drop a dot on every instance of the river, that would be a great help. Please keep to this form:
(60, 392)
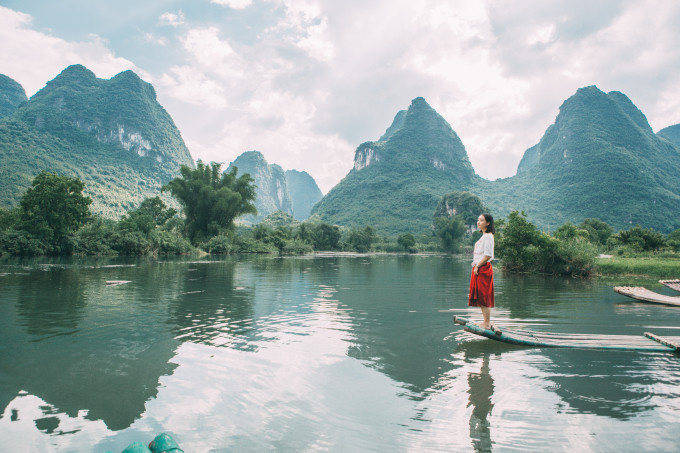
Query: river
(341, 353)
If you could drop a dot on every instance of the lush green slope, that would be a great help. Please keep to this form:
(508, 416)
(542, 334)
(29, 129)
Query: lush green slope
(112, 133)
(12, 95)
(671, 133)
(599, 159)
(398, 180)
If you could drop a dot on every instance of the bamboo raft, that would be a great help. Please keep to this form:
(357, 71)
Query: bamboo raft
(646, 295)
(651, 343)
(672, 284)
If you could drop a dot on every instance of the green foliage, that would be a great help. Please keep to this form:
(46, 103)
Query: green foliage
(656, 266)
(406, 242)
(637, 239)
(296, 247)
(523, 248)
(359, 240)
(224, 244)
(211, 200)
(52, 209)
(21, 243)
(151, 213)
(95, 238)
(569, 232)
(598, 231)
(674, 240)
(450, 231)
(323, 236)
(279, 219)
(463, 204)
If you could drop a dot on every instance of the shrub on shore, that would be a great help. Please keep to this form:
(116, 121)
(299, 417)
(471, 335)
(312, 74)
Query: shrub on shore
(522, 247)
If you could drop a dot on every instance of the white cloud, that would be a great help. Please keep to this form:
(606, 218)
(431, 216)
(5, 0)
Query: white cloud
(153, 39)
(193, 87)
(32, 58)
(306, 81)
(172, 19)
(212, 53)
(233, 4)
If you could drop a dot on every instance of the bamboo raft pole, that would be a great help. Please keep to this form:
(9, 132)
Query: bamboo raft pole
(663, 341)
(551, 340)
(672, 284)
(645, 295)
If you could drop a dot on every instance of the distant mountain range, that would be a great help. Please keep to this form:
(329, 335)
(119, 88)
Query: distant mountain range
(115, 136)
(112, 133)
(293, 192)
(599, 159)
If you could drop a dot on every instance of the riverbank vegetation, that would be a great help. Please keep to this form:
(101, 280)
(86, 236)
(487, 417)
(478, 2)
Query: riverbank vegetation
(53, 218)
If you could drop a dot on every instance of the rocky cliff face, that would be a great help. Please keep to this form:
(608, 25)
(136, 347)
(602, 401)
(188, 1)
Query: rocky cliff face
(304, 193)
(12, 95)
(112, 133)
(293, 192)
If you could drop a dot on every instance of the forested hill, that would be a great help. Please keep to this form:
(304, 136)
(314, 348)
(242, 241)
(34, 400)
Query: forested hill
(671, 133)
(293, 192)
(599, 159)
(12, 95)
(397, 181)
(111, 133)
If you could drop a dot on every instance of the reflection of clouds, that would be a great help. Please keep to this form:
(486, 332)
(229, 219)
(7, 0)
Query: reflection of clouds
(20, 430)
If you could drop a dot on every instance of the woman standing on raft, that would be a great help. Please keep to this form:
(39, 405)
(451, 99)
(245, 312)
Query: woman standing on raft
(481, 280)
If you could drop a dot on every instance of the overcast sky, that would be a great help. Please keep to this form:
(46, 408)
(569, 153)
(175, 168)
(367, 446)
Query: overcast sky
(306, 81)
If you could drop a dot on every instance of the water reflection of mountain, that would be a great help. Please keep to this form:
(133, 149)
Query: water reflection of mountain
(87, 346)
(393, 304)
(397, 328)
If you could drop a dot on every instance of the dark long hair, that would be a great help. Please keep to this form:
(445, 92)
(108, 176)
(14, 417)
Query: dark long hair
(489, 227)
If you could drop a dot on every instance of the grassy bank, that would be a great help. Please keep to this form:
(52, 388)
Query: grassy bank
(653, 266)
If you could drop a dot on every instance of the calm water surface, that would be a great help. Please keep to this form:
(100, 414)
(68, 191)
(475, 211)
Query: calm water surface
(323, 353)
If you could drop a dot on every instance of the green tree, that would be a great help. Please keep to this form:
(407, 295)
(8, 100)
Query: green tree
(150, 214)
(638, 239)
(360, 240)
(406, 241)
(450, 231)
(598, 231)
(325, 236)
(53, 208)
(523, 248)
(211, 200)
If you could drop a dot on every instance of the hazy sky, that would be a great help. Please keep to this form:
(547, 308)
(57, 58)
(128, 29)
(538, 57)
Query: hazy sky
(307, 81)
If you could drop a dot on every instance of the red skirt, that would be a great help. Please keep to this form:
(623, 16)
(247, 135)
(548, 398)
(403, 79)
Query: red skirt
(481, 287)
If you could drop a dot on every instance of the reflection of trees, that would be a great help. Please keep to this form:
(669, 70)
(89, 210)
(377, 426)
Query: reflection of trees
(480, 392)
(396, 325)
(213, 305)
(525, 295)
(51, 301)
(107, 346)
